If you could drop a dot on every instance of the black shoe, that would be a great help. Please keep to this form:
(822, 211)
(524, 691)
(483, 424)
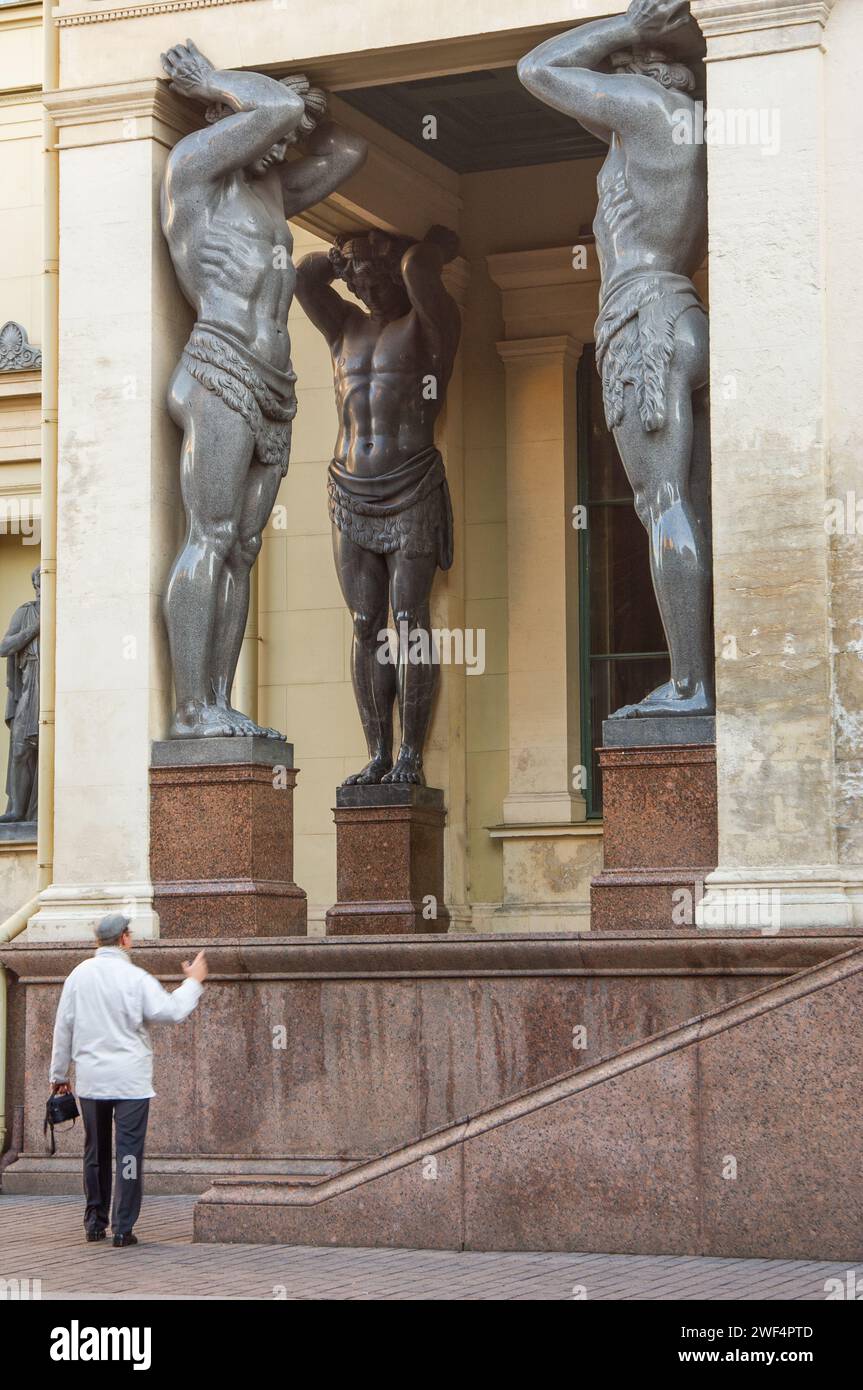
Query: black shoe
(128, 1239)
(94, 1233)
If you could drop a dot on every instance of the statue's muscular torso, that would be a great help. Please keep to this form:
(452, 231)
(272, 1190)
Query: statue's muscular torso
(247, 286)
(637, 233)
(381, 389)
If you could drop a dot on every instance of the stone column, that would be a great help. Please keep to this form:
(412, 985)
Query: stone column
(776, 741)
(550, 851)
(543, 588)
(123, 323)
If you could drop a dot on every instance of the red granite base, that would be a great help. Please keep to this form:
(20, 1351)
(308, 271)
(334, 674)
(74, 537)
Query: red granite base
(221, 851)
(659, 837)
(385, 1038)
(389, 864)
(736, 1134)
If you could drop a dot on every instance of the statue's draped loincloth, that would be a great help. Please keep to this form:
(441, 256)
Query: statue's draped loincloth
(264, 396)
(407, 509)
(635, 342)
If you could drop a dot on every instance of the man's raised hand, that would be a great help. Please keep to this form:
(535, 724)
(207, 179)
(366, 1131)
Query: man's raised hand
(189, 71)
(653, 18)
(198, 969)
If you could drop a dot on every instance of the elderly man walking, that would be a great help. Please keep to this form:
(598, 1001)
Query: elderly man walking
(102, 1025)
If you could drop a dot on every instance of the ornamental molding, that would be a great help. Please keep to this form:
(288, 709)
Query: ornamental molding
(17, 353)
(142, 11)
(733, 16)
(84, 114)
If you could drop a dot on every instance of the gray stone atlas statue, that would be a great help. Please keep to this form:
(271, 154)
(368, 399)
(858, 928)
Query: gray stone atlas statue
(20, 647)
(227, 194)
(388, 496)
(617, 79)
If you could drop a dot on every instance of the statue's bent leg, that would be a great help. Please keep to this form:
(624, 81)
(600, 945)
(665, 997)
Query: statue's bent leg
(411, 579)
(669, 472)
(232, 604)
(215, 458)
(364, 581)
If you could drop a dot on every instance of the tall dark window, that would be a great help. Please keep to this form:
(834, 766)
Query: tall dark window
(623, 649)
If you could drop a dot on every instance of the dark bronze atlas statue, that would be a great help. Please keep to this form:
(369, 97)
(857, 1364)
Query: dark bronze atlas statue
(388, 496)
(227, 194)
(20, 646)
(616, 77)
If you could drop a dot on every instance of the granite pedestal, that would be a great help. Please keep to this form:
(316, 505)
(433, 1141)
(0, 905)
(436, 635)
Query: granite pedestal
(389, 861)
(222, 838)
(659, 823)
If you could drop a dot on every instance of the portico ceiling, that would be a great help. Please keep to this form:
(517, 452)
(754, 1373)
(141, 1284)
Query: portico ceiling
(485, 120)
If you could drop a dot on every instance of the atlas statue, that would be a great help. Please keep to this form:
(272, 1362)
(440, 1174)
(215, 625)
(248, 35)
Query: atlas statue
(625, 80)
(389, 501)
(266, 154)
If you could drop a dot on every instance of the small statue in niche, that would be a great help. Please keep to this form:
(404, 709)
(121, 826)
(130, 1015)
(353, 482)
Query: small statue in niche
(388, 496)
(20, 646)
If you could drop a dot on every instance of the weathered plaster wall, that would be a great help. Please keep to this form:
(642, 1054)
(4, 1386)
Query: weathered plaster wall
(844, 226)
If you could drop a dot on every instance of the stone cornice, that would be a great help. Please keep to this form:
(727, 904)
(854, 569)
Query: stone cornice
(527, 270)
(730, 16)
(721, 952)
(24, 16)
(747, 28)
(561, 347)
(142, 11)
(121, 111)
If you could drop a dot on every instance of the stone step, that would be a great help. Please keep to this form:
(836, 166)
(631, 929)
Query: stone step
(58, 1176)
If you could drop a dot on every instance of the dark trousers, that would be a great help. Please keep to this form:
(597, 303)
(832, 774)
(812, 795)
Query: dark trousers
(130, 1121)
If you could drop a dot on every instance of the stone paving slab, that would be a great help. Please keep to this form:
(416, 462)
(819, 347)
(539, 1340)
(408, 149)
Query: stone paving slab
(42, 1238)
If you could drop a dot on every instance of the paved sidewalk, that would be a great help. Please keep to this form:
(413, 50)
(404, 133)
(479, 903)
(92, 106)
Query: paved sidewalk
(42, 1238)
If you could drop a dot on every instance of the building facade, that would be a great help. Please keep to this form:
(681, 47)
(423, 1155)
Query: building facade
(554, 601)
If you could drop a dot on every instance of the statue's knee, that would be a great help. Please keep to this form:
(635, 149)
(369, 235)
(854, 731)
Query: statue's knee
(412, 618)
(248, 548)
(217, 536)
(366, 628)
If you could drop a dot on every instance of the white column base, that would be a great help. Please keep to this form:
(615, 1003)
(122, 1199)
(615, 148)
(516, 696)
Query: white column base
(781, 899)
(71, 911)
(551, 808)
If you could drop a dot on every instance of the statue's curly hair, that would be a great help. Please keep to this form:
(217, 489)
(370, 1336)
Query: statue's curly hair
(385, 260)
(653, 62)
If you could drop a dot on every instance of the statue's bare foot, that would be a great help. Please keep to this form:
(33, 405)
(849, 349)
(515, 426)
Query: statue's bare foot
(194, 719)
(373, 773)
(666, 700)
(245, 724)
(408, 768)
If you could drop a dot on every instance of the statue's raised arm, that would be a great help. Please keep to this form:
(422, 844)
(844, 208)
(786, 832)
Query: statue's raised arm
(249, 113)
(568, 72)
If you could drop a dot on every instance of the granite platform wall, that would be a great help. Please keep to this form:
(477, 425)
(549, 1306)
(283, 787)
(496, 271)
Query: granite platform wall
(309, 1053)
(737, 1134)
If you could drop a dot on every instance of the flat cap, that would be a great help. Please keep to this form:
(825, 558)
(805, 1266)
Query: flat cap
(111, 928)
